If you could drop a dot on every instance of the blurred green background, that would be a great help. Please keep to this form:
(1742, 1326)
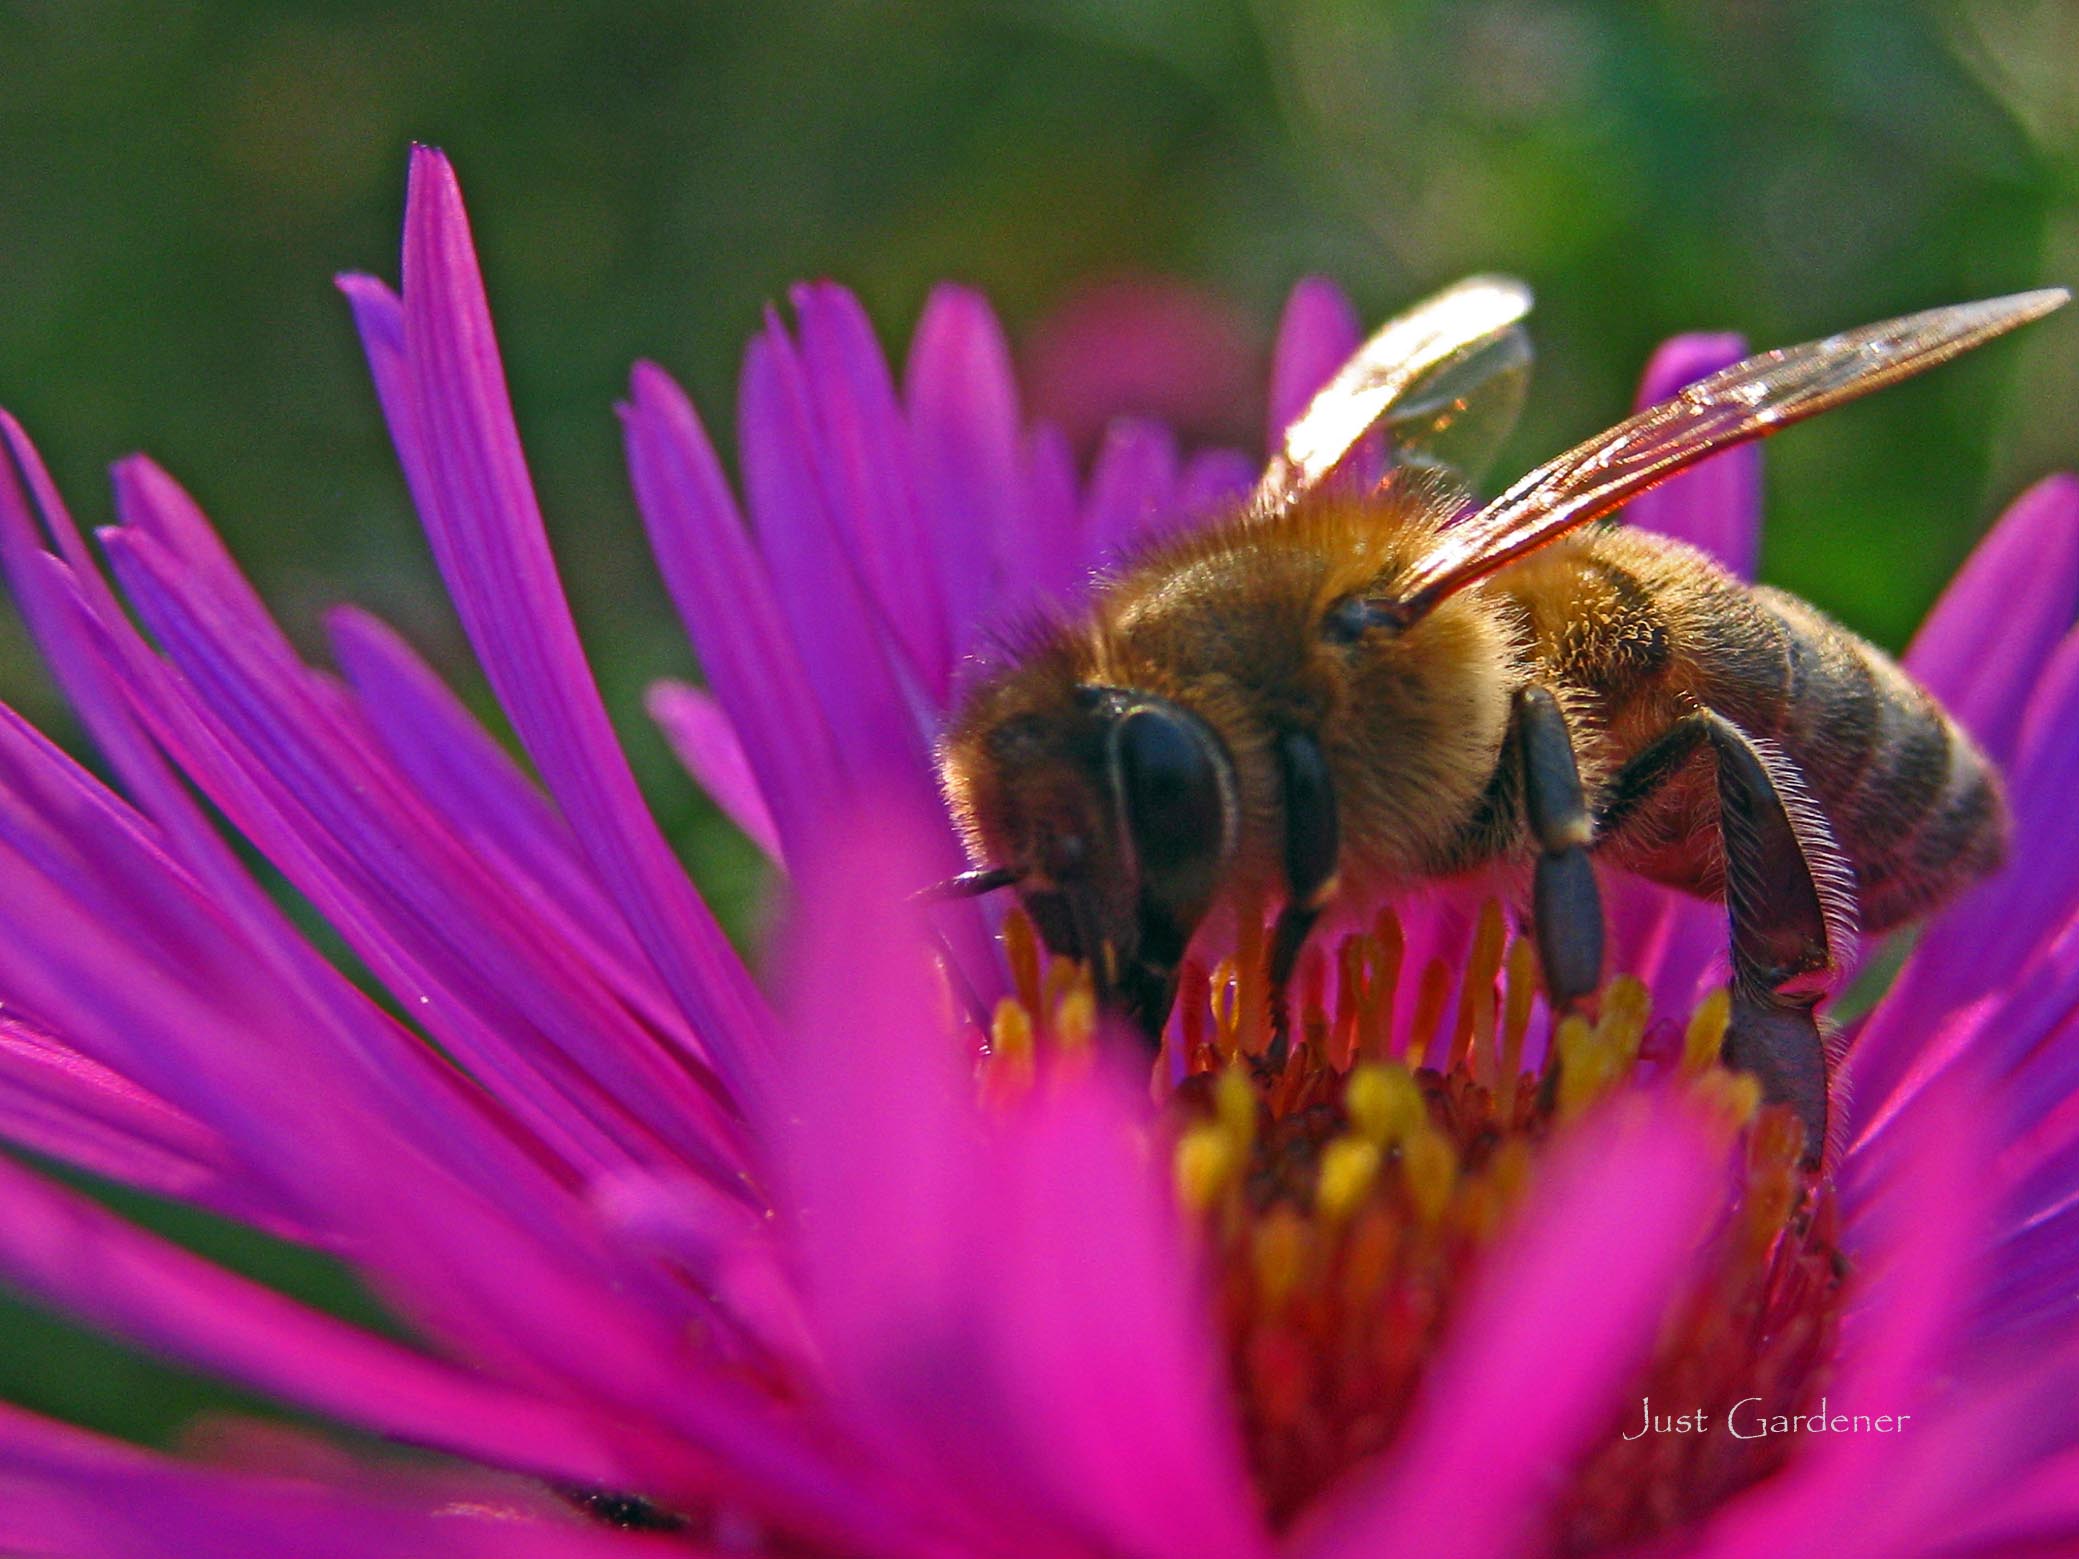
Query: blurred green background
(181, 180)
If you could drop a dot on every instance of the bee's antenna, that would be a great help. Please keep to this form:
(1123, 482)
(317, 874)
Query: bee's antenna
(968, 885)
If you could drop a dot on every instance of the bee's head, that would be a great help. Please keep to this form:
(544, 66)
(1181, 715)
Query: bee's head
(1115, 814)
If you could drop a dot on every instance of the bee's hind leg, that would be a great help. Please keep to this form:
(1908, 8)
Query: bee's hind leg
(1790, 916)
(1566, 905)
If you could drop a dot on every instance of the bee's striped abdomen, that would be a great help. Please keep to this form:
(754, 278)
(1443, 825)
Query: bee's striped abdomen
(1915, 805)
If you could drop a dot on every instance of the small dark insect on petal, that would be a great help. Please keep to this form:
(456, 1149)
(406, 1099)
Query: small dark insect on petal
(627, 1512)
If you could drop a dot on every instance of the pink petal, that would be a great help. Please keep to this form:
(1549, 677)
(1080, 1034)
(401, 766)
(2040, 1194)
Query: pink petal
(1715, 505)
(725, 599)
(73, 1255)
(706, 744)
(478, 504)
(1133, 486)
(1316, 335)
(1563, 1318)
(1982, 648)
(864, 451)
(964, 425)
(1007, 1300)
(1918, 1212)
(845, 638)
(68, 1494)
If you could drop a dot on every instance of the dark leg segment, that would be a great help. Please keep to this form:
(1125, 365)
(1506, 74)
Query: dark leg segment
(1782, 942)
(1566, 907)
(1313, 842)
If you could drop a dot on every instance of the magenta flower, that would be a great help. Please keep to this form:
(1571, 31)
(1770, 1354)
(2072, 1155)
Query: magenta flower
(691, 1265)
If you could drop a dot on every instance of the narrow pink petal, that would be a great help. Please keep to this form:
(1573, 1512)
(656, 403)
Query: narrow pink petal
(725, 599)
(1562, 1320)
(962, 400)
(864, 448)
(1919, 1210)
(1133, 486)
(1987, 938)
(1983, 646)
(844, 637)
(1316, 335)
(1716, 505)
(1100, 1338)
(68, 1494)
(1215, 482)
(75, 1256)
(424, 908)
(83, 635)
(460, 771)
(478, 504)
(706, 743)
(1058, 549)
(58, 1102)
(1006, 1299)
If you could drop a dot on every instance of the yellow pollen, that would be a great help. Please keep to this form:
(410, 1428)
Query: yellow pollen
(1732, 1098)
(1207, 1163)
(1705, 1036)
(1430, 997)
(1234, 1103)
(1022, 950)
(1349, 1169)
(1522, 993)
(1280, 1255)
(1476, 986)
(1345, 1195)
(1383, 1103)
(1431, 1169)
(1075, 1017)
(1011, 1056)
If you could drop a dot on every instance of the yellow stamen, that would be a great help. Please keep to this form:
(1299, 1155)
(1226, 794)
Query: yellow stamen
(1383, 1103)
(1580, 1065)
(1280, 1256)
(1011, 1057)
(1626, 1006)
(1349, 1169)
(1430, 997)
(1207, 1163)
(1235, 1102)
(1075, 1017)
(1705, 1036)
(1226, 1003)
(1522, 993)
(1430, 1167)
(1021, 947)
(1482, 964)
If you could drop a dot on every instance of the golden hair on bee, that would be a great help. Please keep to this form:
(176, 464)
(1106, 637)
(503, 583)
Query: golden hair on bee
(1334, 694)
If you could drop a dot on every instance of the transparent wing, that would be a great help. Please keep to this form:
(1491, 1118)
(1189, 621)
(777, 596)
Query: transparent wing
(1434, 377)
(1749, 400)
(1456, 419)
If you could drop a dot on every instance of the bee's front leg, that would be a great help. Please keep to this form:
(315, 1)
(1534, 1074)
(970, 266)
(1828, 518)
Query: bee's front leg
(1313, 844)
(1566, 905)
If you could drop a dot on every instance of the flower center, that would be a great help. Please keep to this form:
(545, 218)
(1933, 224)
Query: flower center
(1348, 1191)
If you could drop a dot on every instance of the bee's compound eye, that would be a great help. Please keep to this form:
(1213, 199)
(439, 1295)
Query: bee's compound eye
(1173, 787)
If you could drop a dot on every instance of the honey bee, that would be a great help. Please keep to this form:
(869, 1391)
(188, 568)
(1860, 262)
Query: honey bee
(1331, 694)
